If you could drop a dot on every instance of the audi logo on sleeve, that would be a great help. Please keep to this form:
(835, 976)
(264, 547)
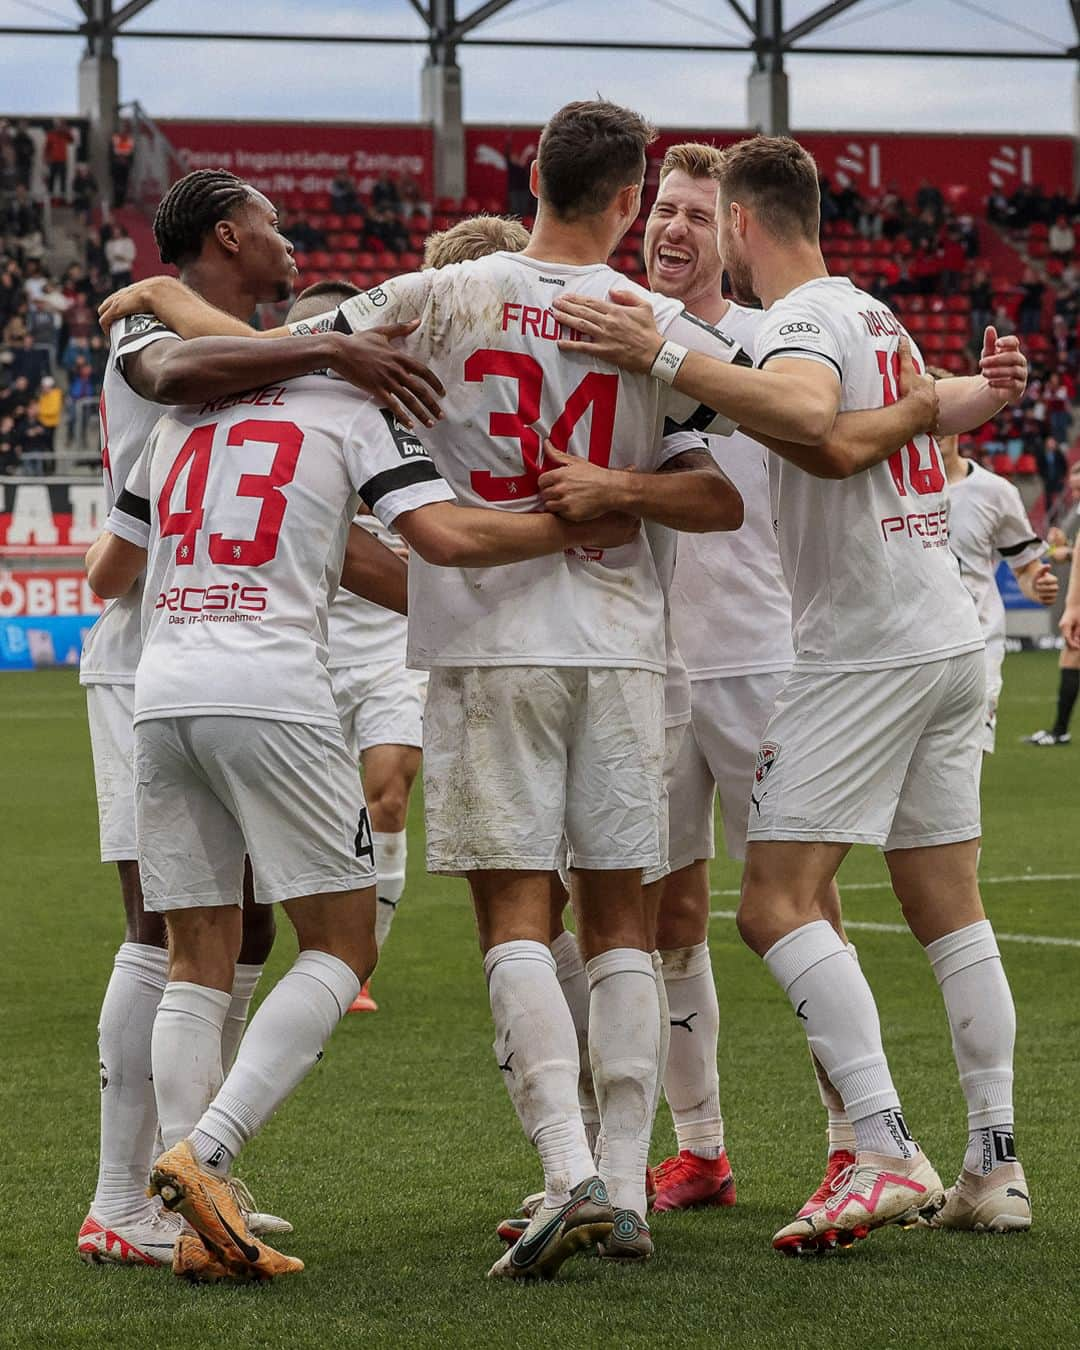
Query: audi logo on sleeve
(793, 329)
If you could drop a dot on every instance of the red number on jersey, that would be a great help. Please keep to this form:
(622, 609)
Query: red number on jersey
(596, 391)
(925, 479)
(288, 438)
(187, 523)
(266, 486)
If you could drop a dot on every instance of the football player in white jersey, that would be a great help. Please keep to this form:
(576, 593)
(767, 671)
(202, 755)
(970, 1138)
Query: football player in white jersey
(240, 511)
(875, 737)
(544, 717)
(223, 236)
(988, 525)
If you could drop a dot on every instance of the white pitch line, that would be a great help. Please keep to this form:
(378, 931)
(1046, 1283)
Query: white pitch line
(1033, 939)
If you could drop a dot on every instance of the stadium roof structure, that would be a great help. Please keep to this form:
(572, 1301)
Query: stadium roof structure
(758, 28)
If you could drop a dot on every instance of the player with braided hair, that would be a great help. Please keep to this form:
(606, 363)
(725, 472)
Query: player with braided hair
(223, 235)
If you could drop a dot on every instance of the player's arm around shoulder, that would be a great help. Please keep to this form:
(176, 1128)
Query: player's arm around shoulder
(117, 556)
(374, 572)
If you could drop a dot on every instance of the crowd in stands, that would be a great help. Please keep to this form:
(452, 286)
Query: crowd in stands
(928, 258)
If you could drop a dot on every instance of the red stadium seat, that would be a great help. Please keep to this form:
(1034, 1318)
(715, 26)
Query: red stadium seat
(955, 363)
(321, 201)
(957, 323)
(410, 262)
(355, 222)
(1003, 465)
(1027, 464)
(937, 323)
(861, 247)
(320, 260)
(1038, 230)
(954, 342)
(343, 262)
(958, 304)
(915, 304)
(881, 248)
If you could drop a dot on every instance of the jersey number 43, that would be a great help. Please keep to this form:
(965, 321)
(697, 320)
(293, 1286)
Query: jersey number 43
(265, 487)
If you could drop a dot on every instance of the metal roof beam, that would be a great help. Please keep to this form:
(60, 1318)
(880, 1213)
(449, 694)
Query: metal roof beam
(815, 20)
(129, 11)
(477, 17)
(734, 4)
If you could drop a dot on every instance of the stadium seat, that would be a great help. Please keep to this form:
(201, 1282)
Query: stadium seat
(954, 342)
(914, 304)
(956, 323)
(320, 260)
(1003, 465)
(355, 222)
(957, 304)
(1027, 465)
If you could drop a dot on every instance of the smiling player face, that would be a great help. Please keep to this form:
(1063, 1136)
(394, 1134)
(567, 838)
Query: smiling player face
(681, 256)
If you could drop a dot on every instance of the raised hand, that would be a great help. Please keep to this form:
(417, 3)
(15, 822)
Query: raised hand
(1003, 365)
(394, 379)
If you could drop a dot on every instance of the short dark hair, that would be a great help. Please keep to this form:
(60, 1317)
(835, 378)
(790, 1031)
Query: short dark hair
(191, 208)
(319, 297)
(588, 152)
(778, 179)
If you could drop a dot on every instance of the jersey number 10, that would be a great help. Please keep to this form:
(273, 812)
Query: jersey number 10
(265, 487)
(924, 479)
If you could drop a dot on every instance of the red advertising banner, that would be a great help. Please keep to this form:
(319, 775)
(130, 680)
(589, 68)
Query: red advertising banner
(299, 160)
(967, 168)
(41, 595)
(50, 519)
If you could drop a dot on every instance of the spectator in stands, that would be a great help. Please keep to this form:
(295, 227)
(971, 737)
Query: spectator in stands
(412, 201)
(1029, 316)
(1058, 405)
(10, 449)
(928, 200)
(384, 193)
(22, 215)
(11, 292)
(14, 398)
(16, 326)
(84, 191)
(36, 440)
(7, 157)
(22, 143)
(58, 143)
(95, 250)
(120, 257)
(385, 227)
(30, 361)
(982, 303)
(99, 357)
(50, 407)
(1061, 239)
(121, 156)
(342, 194)
(81, 401)
(953, 261)
(1053, 468)
(304, 236)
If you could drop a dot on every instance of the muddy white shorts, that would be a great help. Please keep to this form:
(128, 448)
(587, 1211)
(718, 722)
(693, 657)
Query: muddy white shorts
(516, 757)
(728, 717)
(210, 789)
(885, 757)
(380, 704)
(109, 710)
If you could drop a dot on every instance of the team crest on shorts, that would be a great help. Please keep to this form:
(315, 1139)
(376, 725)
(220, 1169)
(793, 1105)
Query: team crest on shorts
(767, 755)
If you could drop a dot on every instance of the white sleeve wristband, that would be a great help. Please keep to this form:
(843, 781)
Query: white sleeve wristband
(668, 362)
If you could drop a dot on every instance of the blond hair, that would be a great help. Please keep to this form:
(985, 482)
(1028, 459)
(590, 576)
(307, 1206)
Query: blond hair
(474, 238)
(693, 158)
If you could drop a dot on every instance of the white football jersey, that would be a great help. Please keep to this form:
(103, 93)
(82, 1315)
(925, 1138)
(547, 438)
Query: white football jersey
(489, 333)
(362, 633)
(873, 583)
(244, 506)
(730, 604)
(111, 648)
(988, 523)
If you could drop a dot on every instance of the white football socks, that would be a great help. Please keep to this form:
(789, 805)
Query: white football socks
(967, 965)
(536, 1050)
(624, 1044)
(692, 1081)
(832, 999)
(664, 1013)
(570, 972)
(245, 979)
(186, 1052)
(390, 853)
(128, 1109)
(840, 1133)
(283, 1043)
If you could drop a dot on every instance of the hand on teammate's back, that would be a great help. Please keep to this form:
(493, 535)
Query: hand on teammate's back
(1003, 365)
(621, 329)
(919, 388)
(394, 379)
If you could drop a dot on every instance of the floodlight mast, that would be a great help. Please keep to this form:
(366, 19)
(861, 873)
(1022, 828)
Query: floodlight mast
(767, 43)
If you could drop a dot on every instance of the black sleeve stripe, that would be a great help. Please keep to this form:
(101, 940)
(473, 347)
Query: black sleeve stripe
(130, 339)
(341, 323)
(136, 507)
(801, 351)
(1014, 549)
(699, 420)
(405, 475)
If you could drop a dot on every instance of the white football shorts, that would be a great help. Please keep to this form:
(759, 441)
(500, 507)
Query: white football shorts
(380, 704)
(728, 716)
(995, 658)
(516, 757)
(109, 710)
(885, 757)
(210, 789)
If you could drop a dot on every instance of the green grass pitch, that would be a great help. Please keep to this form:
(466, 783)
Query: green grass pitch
(400, 1152)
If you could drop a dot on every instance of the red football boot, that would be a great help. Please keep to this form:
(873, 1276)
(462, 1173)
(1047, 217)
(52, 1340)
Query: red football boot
(839, 1162)
(690, 1182)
